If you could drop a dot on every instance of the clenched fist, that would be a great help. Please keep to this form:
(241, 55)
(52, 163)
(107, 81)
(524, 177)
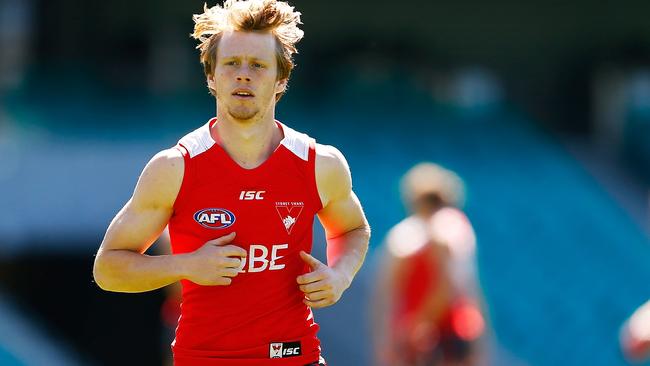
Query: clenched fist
(215, 263)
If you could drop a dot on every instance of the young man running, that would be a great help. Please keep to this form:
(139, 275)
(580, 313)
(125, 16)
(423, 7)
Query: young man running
(239, 195)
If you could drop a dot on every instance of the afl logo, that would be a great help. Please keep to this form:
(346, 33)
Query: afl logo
(214, 218)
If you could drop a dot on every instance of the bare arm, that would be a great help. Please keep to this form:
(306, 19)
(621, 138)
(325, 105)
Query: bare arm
(120, 263)
(346, 229)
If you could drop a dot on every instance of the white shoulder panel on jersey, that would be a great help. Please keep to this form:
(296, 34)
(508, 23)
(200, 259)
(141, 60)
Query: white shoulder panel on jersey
(197, 141)
(298, 143)
(407, 237)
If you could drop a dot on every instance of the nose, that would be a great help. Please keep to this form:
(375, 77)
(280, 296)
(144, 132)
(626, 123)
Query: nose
(243, 74)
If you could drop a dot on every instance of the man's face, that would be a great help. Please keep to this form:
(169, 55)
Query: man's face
(245, 74)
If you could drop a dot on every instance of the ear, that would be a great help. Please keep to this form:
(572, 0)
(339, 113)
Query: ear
(281, 85)
(211, 83)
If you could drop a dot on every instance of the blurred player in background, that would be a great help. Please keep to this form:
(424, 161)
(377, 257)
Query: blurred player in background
(635, 335)
(240, 194)
(426, 309)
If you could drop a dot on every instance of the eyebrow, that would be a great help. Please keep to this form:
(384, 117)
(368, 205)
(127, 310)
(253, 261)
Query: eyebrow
(250, 58)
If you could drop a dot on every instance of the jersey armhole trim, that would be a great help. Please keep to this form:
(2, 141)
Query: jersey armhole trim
(187, 173)
(312, 168)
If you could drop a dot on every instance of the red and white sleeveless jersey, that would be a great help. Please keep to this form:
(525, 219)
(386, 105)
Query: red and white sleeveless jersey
(260, 318)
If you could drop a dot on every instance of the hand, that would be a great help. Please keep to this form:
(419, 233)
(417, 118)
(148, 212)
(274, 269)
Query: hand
(323, 286)
(215, 263)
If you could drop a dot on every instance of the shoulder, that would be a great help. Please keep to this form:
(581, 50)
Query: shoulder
(333, 176)
(330, 161)
(165, 164)
(451, 227)
(407, 237)
(161, 178)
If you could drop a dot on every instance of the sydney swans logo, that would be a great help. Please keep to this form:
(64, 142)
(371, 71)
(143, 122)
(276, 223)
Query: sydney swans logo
(289, 212)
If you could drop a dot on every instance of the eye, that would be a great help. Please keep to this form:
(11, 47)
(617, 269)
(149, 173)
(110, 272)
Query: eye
(257, 65)
(232, 63)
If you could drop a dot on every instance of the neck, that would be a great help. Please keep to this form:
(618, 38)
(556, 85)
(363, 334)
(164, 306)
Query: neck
(249, 143)
(424, 213)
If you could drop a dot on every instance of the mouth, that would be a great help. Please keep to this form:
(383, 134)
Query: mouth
(243, 94)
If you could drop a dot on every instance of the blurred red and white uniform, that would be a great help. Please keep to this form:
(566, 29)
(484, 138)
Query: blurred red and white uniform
(635, 335)
(435, 315)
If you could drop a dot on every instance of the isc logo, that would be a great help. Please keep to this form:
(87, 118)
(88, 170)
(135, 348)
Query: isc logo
(251, 195)
(286, 349)
(214, 218)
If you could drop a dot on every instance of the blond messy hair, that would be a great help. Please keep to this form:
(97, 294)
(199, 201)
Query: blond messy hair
(276, 17)
(429, 178)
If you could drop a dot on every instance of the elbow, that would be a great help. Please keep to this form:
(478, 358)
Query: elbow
(363, 233)
(365, 230)
(101, 272)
